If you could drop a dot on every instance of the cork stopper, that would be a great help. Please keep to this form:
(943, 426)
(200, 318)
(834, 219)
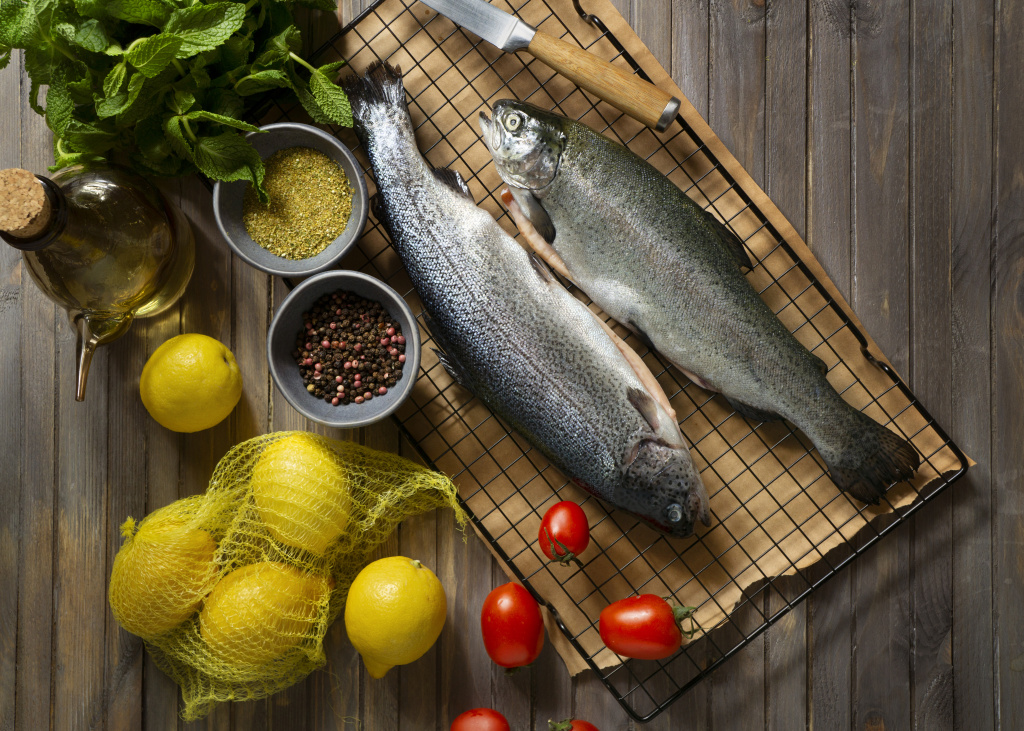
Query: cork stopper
(25, 210)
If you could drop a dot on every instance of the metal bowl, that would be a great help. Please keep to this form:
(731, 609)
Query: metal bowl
(228, 199)
(287, 323)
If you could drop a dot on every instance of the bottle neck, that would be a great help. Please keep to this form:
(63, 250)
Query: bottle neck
(54, 228)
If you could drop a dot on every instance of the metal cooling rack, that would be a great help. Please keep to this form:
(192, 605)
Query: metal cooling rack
(499, 473)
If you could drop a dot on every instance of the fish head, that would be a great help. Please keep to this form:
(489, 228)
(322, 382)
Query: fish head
(526, 143)
(663, 487)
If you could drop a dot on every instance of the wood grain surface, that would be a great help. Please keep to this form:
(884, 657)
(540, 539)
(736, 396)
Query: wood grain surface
(889, 134)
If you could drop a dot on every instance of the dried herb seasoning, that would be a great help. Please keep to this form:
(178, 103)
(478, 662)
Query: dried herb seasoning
(310, 204)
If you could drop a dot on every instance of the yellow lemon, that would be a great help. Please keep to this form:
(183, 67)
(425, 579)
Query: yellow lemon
(161, 573)
(394, 613)
(258, 612)
(190, 383)
(301, 492)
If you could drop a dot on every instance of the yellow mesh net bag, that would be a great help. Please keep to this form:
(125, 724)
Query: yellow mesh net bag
(233, 590)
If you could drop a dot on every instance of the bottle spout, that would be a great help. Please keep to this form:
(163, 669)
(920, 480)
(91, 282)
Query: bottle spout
(85, 348)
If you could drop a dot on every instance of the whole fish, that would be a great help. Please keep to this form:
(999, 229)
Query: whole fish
(511, 334)
(654, 260)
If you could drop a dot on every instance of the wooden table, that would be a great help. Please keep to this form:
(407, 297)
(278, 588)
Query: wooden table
(889, 134)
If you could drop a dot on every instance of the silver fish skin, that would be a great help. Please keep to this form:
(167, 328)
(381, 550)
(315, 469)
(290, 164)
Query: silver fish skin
(511, 334)
(654, 260)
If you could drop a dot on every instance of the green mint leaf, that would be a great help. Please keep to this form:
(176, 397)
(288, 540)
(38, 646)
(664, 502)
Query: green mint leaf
(152, 55)
(59, 105)
(235, 52)
(146, 12)
(115, 79)
(225, 102)
(81, 90)
(277, 48)
(15, 24)
(5, 57)
(261, 81)
(64, 32)
(82, 137)
(331, 99)
(92, 37)
(66, 159)
(181, 101)
(329, 69)
(229, 157)
(174, 130)
(205, 27)
(120, 102)
(205, 116)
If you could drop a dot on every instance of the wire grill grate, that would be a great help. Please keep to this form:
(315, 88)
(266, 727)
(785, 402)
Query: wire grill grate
(788, 521)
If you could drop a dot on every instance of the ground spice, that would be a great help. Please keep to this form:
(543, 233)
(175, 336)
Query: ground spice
(349, 349)
(310, 204)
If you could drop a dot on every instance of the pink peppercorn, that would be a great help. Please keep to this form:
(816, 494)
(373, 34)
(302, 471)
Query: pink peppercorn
(391, 331)
(401, 340)
(401, 358)
(326, 343)
(359, 399)
(335, 401)
(382, 390)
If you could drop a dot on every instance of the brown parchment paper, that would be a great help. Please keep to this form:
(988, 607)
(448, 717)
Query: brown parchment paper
(775, 510)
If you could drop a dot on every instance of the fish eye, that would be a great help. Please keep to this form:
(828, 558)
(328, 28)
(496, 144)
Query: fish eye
(674, 512)
(513, 122)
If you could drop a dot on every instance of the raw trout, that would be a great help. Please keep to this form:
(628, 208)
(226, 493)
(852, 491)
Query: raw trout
(511, 334)
(658, 263)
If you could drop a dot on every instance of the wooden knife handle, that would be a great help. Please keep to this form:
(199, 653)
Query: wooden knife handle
(631, 94)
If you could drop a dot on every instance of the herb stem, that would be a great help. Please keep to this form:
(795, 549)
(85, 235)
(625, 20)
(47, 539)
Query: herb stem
(178, 66)
(248, 5)
(301, 61)
(188, 131)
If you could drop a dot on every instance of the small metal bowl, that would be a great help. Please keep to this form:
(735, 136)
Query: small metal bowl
(287, 324)
(228, 199)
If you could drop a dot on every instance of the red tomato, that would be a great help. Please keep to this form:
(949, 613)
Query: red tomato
(512, 626)
(572, 725)
(480, 719)
(564, 532)
(645, 627)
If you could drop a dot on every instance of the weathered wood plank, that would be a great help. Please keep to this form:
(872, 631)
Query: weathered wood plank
(931, 367)
(972, 396)
(880, 297)
(737, 115)
(829, 222)
(11, 272)
(1007, 370)
(690, 62)
(36, 600)
(785, 170)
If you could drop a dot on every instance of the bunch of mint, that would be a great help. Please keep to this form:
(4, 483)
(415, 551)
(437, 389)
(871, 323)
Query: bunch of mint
(166, 83)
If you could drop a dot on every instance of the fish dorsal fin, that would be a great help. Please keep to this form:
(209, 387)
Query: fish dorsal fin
(646, 405)
(540, 267)
(731, 241)
(752, 412)
(453, 180)
(534, 212)
(453, 367)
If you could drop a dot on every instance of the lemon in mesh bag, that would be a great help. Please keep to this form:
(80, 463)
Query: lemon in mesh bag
(293, 517)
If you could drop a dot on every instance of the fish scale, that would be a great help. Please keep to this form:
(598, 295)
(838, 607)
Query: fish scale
(534, 354)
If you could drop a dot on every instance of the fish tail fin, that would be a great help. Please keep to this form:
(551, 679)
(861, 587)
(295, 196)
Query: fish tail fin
(380, 85)
(870, 459)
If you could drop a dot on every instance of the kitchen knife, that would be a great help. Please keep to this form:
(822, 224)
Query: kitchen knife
(629, 93)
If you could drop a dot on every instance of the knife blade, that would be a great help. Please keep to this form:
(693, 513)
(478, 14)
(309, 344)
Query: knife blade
(625, 91)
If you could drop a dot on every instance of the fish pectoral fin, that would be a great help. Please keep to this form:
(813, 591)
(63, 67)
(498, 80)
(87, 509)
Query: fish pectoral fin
(646, 405)
(453, 180)
(533, 238)
(380, 212)
(534, 212)
(822, 365)
(641, 335)
(540, 267)
(751, 412)
(731, 241)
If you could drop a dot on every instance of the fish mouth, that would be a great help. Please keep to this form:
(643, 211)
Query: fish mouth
(489, 131)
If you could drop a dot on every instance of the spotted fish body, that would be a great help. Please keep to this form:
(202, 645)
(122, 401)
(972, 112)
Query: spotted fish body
(654, 260)
(511, 334)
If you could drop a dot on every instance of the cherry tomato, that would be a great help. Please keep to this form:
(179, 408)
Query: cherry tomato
(572, 725)
(645, 627)
(564, 532)
(480, 719)
(512, 626)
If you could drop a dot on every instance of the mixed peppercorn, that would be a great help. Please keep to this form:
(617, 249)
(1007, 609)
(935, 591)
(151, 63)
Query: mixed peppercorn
(349, 349)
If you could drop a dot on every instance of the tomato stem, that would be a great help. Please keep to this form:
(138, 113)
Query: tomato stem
(681, 614)
(565, 725)
(565, 556)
